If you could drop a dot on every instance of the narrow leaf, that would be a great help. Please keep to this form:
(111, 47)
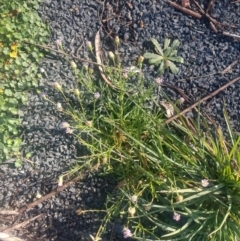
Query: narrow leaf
(157, 46)
(172, 66)
(150, 56)
(177, 59)
(166, 43)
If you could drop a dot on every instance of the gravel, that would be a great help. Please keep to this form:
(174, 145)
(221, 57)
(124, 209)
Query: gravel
(53, 152)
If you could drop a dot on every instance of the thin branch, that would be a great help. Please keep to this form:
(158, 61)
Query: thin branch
(202, 100)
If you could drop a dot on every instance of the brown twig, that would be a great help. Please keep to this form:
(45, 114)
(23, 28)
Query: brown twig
(21, 225)
(231, 35)
(51, 194)
(185, 10)
(200, 101)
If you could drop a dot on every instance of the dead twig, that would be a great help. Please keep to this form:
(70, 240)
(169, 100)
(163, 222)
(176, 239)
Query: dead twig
(185, 10)
(51, 194)
(231, 35)
(98, 58)
(202, 100)
(23, 224)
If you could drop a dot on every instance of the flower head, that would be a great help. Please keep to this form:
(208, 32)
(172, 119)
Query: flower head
(43, 95)
(205, 183)
(134, 198)
(89, 45)
(131, 211)
(140, 59)
(89, 123)
(73, 65)
(111, 55)
(57, 86)
(159, 80)
(59, 106)
(117, 41)
(69, 130)
(65, 125)
(96, 95)
(127, 233)
(176, 216)
(58, 42)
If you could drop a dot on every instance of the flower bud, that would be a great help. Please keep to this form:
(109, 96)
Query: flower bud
(89, 123)
(179, 198)
(140, 59)
(77, 92)
(131, 211)
(89, 45)
(117, 41)
(57, 86)
(111, 55)
(59, 107)
(73, 65)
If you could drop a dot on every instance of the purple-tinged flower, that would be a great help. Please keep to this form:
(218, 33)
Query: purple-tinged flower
(96, 95)
(43, 95)
(181, 100)
(205, 183)
(59, 106)
(127, 233)
(57, 86)
(65, 125)
(176, 216)
(159, 80)
(58, 42)
(69, 130)
(134, 198)
(85, 65)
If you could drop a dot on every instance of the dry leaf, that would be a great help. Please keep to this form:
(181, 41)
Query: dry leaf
(185, 3)
(98, 58)
(169, 108)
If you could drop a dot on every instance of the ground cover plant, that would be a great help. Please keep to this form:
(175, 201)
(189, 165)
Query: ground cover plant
(19, 22)
(176, 181)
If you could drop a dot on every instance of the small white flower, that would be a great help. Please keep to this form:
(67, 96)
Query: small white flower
(159, 80)
(205, 183)
(131, 211)
(59, 106)
(69, 130)
(65, 125)
(38, 195)
(134, 198)
(96, 95)
(176, 216)
(42, 70)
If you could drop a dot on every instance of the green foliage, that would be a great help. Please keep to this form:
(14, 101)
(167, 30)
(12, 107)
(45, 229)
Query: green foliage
(165, 57)
(176, 182)
(19, 22)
